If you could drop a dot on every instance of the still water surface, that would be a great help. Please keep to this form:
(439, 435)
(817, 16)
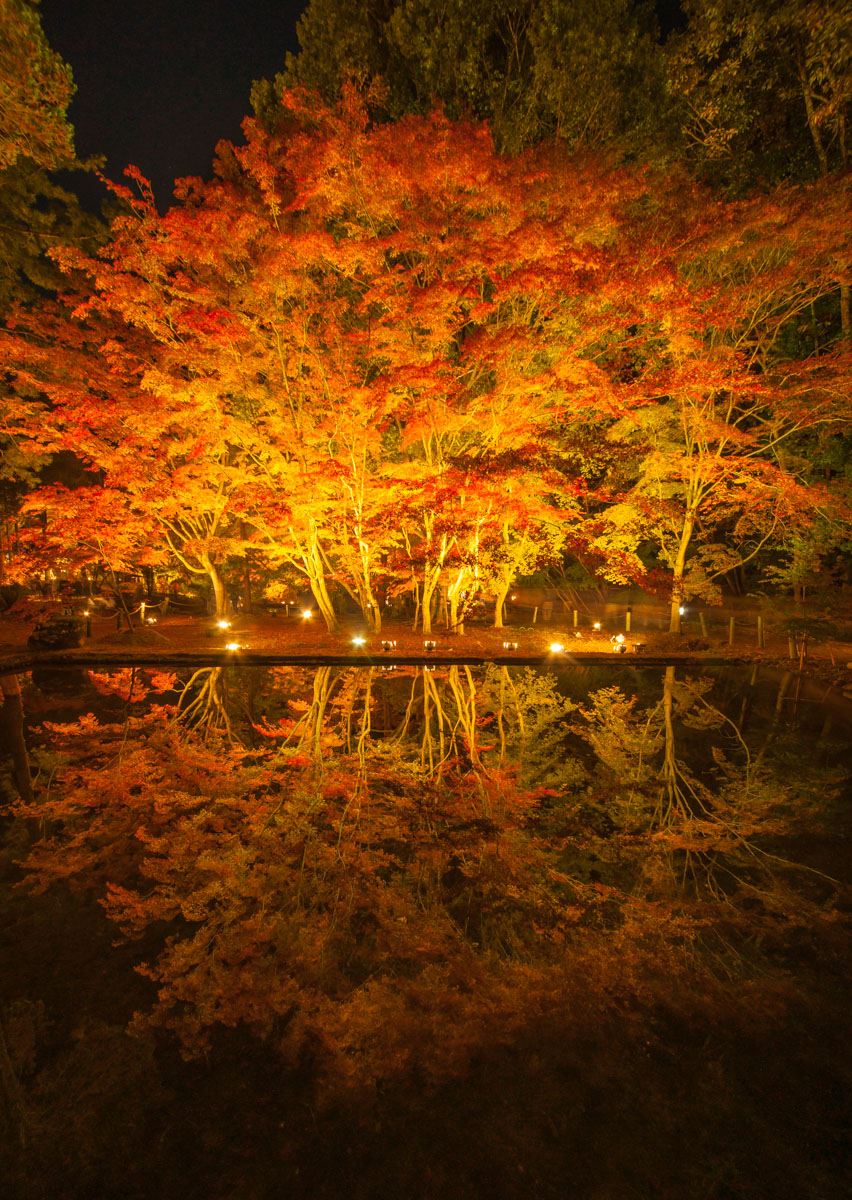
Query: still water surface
(380, 878)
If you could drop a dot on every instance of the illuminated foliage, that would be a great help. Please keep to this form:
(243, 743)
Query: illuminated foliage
(407, 852)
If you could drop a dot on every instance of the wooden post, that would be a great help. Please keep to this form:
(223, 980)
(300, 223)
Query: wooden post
(118, 619)
(761, 640)
(791, 648)
(702, 620)
(535, 614)
(576, 615)
(627, 617)
(731, 632)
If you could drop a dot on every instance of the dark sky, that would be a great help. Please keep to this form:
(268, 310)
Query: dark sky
(159, 82)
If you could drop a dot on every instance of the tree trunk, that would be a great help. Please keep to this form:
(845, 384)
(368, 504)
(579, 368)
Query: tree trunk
(678, 573)
(671, 793)
(219, 593)
(499, 602)
(247, 597)
(813, 126)
(454, 626)
(324, 604)
(443, 607)
(374, 619)
(426, 606)
(248, 604)
(370, 609)
(454, 595)
(316, 577)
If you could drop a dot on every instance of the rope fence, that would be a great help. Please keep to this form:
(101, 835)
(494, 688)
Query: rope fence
(792, 634)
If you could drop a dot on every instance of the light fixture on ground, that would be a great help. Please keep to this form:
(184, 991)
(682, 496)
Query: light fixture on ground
(428, 647)
(618, 643)
(388, 646)
(556, 648)
(234, 646)
(358, 641)
(223, 624)
(510, 645)
(597, 625)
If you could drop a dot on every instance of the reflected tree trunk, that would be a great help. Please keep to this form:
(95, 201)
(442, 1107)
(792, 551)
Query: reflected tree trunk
(12, 728)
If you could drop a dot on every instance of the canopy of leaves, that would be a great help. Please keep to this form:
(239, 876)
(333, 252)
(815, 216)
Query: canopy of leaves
(586, 73)
(35, 91)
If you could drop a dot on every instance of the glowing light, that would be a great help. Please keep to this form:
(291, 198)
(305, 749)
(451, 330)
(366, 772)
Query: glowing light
(85, 612)
(429, 646)
(578, 634)
(150, 620)
(358, 641)
(386, 646)
(556, 647)
(597, 625)
(224, 624)
(619, 638)
(233, 646)
(510, 645)
(306, 613)
(513, 597)
(681, 610)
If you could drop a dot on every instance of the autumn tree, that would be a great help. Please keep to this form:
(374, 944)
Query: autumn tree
(756, 79)
(713, 484)
(36, 214)
(359, 362)
(589, 75)
(35, 92)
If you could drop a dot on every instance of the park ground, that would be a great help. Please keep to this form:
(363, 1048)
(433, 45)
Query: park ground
(263, 636)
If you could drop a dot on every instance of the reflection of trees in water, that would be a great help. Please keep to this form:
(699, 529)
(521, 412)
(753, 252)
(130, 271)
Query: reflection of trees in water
(433, 718)
(203, 703)
(12, 735)
(405, 854)
(707, 818)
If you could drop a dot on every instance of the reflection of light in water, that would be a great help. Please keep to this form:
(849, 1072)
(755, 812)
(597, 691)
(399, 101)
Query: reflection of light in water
(400, 829)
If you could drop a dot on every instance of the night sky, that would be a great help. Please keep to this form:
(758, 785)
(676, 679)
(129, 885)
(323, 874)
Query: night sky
(159, 82)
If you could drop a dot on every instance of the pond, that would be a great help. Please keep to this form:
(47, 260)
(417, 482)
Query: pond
(423, 931)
